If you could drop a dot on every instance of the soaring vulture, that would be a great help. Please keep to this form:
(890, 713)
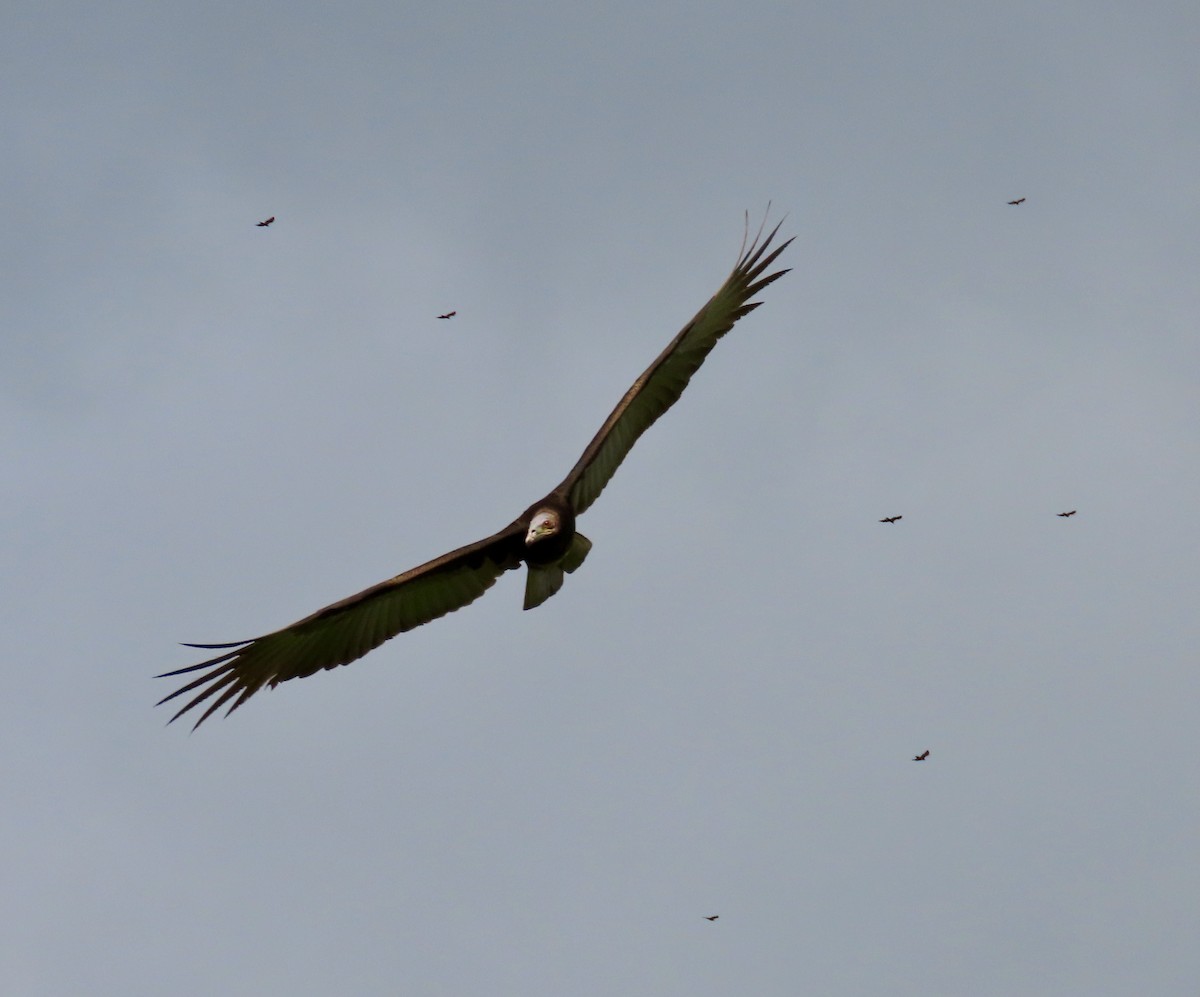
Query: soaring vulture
(922, 756)
(1019, 200)
(543, 537)
(265, 222)
(1066, 514)
(891, 519)
(448, 315)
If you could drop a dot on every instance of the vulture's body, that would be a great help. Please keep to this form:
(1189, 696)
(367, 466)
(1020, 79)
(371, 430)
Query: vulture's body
(543, 537)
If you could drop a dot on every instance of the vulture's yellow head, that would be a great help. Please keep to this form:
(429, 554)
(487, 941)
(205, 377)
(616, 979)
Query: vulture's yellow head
(544, 524)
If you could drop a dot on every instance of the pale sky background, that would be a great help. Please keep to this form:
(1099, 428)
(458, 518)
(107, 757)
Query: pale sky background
(211, 430)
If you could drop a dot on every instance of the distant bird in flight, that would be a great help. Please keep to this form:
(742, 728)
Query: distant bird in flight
(543, 537)
(1066, 514)
(1019, 200)
(265, 222)
(891, 519)
(922, 756)
(448, 315)
(713, 918)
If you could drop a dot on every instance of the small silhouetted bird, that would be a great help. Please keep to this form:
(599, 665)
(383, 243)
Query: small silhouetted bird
(713, 918)
(448, 315)
(922, 756)
(1066, 514)
(891, 519)
(1019, 200)
(265, 222)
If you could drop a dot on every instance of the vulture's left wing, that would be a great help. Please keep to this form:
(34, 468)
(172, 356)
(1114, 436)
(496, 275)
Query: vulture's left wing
(663, 381)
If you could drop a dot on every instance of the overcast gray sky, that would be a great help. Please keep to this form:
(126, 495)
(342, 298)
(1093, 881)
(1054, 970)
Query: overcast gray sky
(212, 429)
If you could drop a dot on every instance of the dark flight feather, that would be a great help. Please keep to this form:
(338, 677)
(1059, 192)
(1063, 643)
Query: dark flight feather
(346, 630)
(663, 381)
